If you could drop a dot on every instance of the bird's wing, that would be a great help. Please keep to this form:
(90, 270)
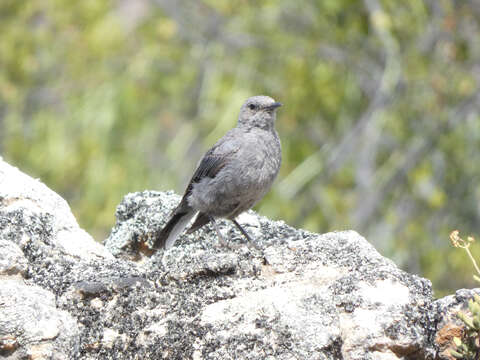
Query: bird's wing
(212, 162)
(210, 165)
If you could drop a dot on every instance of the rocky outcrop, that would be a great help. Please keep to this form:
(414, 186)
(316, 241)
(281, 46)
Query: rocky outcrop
(295, 295)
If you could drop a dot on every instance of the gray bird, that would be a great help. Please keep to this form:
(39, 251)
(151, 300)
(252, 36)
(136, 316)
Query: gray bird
(232, 176)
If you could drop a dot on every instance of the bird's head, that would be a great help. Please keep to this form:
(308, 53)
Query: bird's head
(258, 111)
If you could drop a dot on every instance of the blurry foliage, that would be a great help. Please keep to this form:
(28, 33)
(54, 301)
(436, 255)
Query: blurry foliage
(380, 127)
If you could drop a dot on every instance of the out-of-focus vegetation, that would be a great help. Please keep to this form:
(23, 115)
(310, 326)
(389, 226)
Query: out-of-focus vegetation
(380, 128)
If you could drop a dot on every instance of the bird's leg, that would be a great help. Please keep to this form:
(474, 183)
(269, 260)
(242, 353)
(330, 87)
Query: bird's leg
(221, 239)
(244, 232)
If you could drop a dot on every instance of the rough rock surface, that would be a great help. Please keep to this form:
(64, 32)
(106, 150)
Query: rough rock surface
(31, 321)
(296, 295)
(448, 324)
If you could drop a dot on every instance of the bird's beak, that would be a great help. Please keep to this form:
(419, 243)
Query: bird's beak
(273, 106)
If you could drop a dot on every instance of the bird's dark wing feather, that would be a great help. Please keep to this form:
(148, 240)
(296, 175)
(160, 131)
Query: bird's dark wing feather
(210, 165)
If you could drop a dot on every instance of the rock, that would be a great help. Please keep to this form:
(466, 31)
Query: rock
(35, 210)
(300, 295)
(43, 252)
(295, 295)
(30, 319)
(448, 324)
(12, 260)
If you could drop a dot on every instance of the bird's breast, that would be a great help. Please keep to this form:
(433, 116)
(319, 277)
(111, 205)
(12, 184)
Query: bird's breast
(260, 159)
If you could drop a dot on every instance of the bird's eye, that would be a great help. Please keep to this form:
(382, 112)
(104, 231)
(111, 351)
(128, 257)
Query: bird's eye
(252, 106)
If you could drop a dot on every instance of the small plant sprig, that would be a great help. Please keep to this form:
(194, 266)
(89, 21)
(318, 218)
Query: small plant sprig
(468, 347)
(458, 242)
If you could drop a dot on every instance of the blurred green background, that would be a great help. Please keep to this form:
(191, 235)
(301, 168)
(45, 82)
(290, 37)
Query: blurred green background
(380, 128)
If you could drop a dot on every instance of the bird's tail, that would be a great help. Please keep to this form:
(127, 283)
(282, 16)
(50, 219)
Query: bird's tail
(168, 235)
